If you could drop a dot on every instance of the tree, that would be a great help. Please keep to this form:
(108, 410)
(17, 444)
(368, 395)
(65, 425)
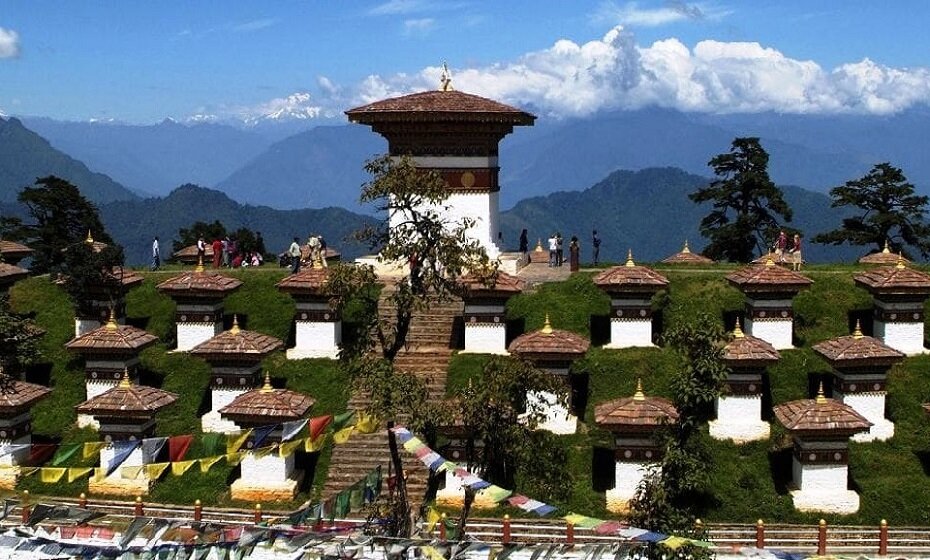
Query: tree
(61, 218)
(91, 274)
(746, 203)
(188, 236)
(19, 340)
(667, 498)
(890, 212)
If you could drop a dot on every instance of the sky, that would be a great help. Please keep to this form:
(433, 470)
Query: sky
(143, 61)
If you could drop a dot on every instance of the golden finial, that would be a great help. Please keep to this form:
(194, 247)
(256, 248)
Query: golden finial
(629, 258)
(886, 250)
(639, 395)
(89, 239)
(445, 79)
(738, 330)
(857, 332)
(111, 322)
(821, 399)
(539, 244)
(547, 327)
(769, 259)
(900, 264)
(199, 267)
(686, 249)
(235, 326)
(266, 387)
(124, 383)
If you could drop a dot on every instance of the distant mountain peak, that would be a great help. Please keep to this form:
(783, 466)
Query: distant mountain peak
(296, 106)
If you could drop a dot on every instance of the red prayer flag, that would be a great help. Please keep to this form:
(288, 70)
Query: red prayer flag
(41, 452)
(318, 424)
(178, 446)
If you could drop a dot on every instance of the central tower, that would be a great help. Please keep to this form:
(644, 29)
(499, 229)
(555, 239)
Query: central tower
(457, 135)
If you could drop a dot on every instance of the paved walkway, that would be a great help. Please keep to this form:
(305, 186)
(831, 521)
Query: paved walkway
(537, 273)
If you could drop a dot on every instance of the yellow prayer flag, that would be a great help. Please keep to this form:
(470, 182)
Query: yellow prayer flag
(51, 475)
(366, 423)
(343, 435)
(314, 445)
(287, 448)
(155, 470)
(100, 473)
(432, 518)
(233, 459)
(208, 462)
(130, 472)
(28, 471)
(235, 441)
(431, 553)
(75, 473)
(180, 467)
(91, 448)
(263, 451)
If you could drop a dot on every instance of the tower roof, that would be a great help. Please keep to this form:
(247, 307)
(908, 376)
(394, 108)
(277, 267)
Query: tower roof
(199, 283)
(820, 417)
(685, 256)
(112, 338)
(630, 277)
(439, 106)
(17, 396)
(747, 350)
(636, 413)
(127, 400)
(11, 273)
(268, 405)
(857, 349)
(309, 281)
(768, 277)
(550, 342)
(500, 284)
(14, 250)
(246, 345)
(897, 279)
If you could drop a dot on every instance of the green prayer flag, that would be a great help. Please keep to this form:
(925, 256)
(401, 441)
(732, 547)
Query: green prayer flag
(65, 452)
(213, 444)
(343, 420)
(342, 506)
(357, 495)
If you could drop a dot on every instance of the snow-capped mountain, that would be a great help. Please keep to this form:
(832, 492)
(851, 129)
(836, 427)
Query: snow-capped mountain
(297, 106)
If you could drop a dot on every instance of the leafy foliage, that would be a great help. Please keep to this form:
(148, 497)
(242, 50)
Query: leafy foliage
(61, 218)
(93, 275)
(890, 212)
(188, 236)
(746, 203)
(20, 339)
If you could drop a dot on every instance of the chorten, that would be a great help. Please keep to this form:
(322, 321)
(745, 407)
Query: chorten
(630, 287)
(318, 327)
(267, 476)
(739, 408)
(861, 364)
(486, 311)
(109, 352)
(9, 275)
(455, 134)
(94, 312)
(685, 256)
(770, 291)
(553, 351)
(884, 257)
(198, 296)
(126, 415)
(821, 428)
(634, 422)
(235, 357)
(898, 293)
(16, 400)
(12, 252)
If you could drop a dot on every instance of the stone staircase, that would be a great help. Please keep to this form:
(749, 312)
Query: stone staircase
(427, 356)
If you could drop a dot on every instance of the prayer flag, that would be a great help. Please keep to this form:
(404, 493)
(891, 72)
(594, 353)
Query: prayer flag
(431, 553)
(652, 537)
(286, 449)
(343, 420)
(211, 443)
(151, 447)
(313, 445)
(99, 473)
(413, 444)
(263, 451)
(41, 452)
(260, 434)
(91, 448)
(155, 470)
(131, 473)
(233, 459)
(343, 435)
(14, 448)
(342, 506)
(607, 528)
(50, 475)
(582, 521)
(318, 424)
(235, 441)
(178, 446)
(402, 434)
(543, 510)
(674, 542)
(289, 430)
(75, 473)
(367, 423)
(496, 493)
(208, 462)
(432, 517)
(65, 452)
(180, 467)
(122, 451)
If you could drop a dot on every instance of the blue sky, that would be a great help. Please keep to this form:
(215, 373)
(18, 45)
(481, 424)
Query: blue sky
(141, 61)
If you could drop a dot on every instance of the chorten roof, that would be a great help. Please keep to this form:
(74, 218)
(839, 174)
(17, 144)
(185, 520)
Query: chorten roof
(126, 276)
(11, 273)
(17, 396)
(238, 343)
(112, 337)
(309, 281)
(500, 284)
(768, 277)
(747, 350)
(550, 342)
(199, 283)
(189, 255)
(14, 250)
(857, 349)
(885, 256)
(897, 279)
(685, 256)
(268, 404)
(638, 412)
(820, 417)
(439, 106)
(127, 400)
(630, 277)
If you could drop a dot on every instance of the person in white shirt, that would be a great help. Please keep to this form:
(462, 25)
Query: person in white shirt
(156, 255)
(553, 250)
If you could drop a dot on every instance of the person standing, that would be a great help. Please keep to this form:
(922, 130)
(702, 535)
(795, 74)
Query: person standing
(559, 254)
(294, 253)
(217, 252)
(201, 249)
(226, 256)
(780, 245)
(524, 243)
(156, 255)
(796, 259)
(553, 250)
(574, 255)
(596, 244)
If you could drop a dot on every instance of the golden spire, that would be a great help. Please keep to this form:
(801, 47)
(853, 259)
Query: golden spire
(886, 250)
(199, 267)
(235, 326)
(900, 264)
(124, 383)
(821, 399)
(445, 79)
(89, 239)
(547, 327)
(266, 387)
(686, 249)
(639, 395)
(737, 330)
(539, 244)
(629, 258)
(857, 332)
(769, 260)
(111, 322)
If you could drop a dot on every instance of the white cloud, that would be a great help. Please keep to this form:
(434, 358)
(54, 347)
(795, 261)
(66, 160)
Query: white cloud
(419, 26)
(394, 7)
(9, 43)
(633, 15)
(255, 25)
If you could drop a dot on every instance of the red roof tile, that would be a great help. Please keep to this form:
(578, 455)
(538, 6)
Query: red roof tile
(857, 349)
(549, 341)
(820, 416)
(267, 404)
(14, 249)
(768, 277)
(10, 273)
(630, 277)
(439, 106)
(135, 401)
(882, 257)
(748, 350)
(236, 342)
(16, 395)
(638, 411)
(189, 255)
(112, 337)
(685, 256)
(199, 284)
(898, 279)
(126, 276)
(500, 284)
(309, 281)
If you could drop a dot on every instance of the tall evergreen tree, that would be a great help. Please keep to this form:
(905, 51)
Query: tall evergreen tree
(746, 203)
(890, 212)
